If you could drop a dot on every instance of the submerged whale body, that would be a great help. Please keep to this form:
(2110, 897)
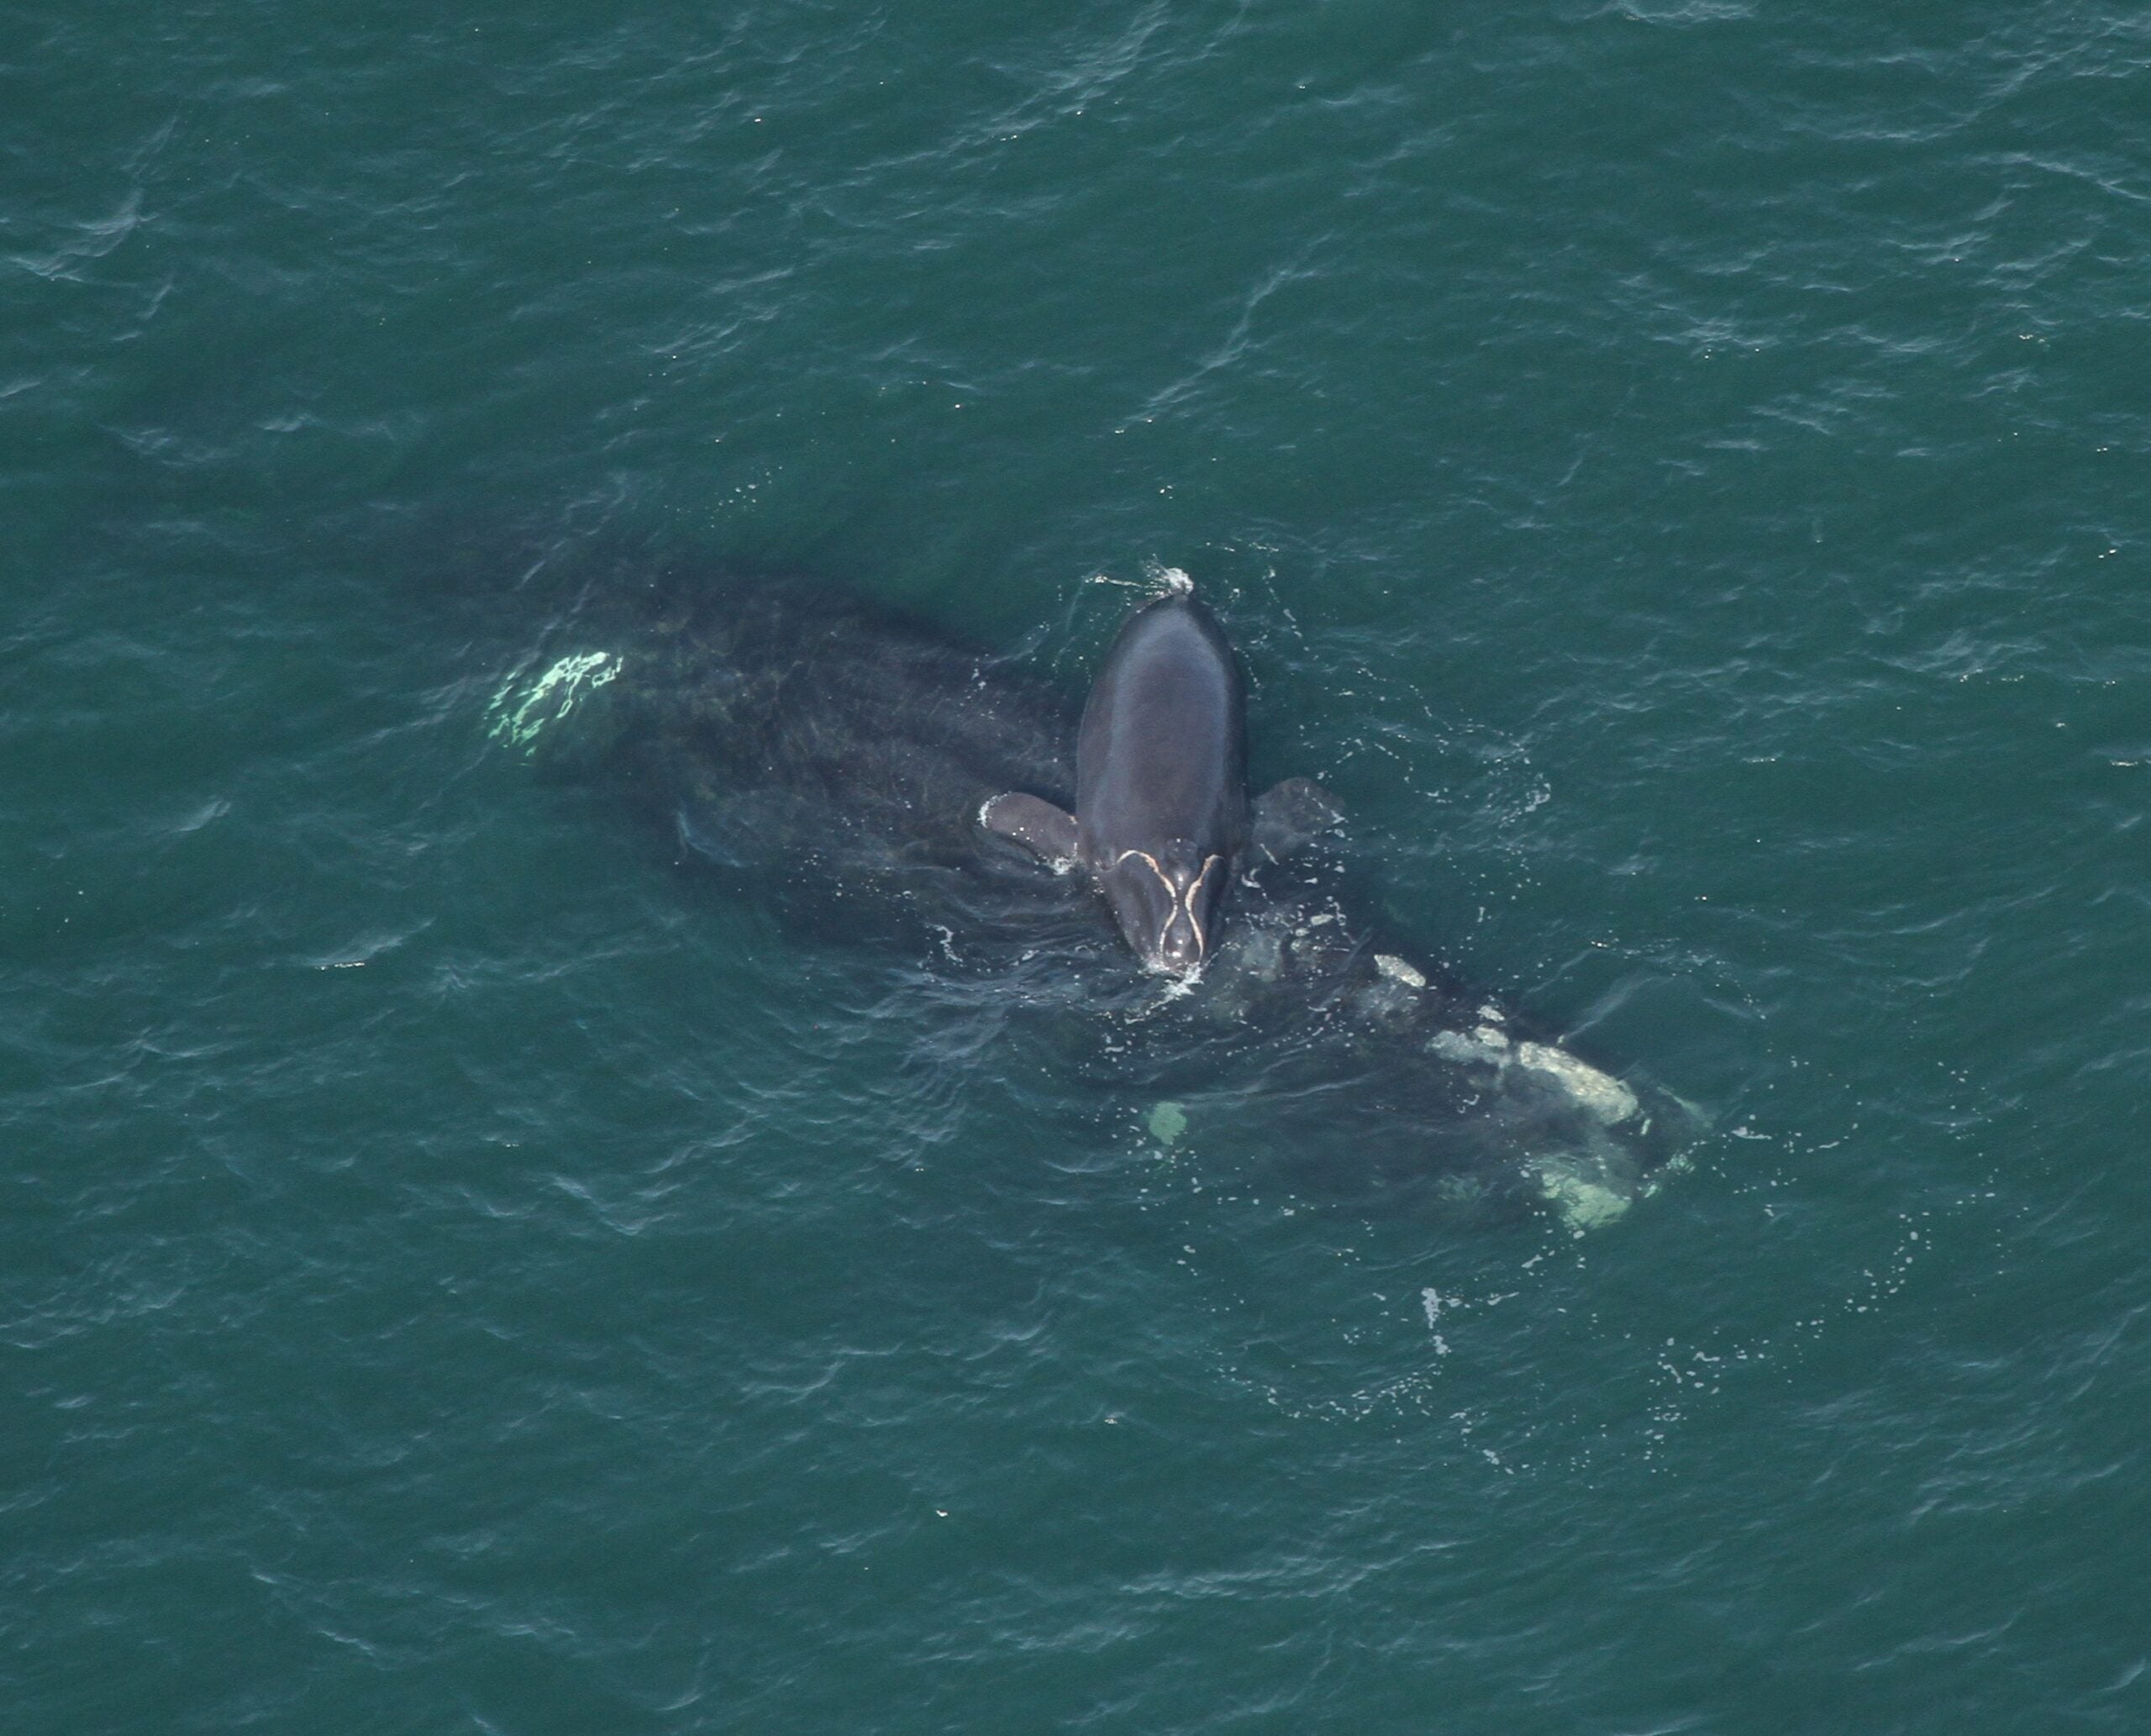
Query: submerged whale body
(858, 768)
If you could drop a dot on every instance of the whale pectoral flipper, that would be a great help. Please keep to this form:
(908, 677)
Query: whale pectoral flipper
(1290, 815)
(1036, 824)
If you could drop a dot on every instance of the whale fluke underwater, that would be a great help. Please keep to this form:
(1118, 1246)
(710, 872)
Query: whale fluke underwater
(889, 783)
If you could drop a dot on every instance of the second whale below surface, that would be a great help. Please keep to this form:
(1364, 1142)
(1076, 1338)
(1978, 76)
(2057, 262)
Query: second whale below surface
(835, 757)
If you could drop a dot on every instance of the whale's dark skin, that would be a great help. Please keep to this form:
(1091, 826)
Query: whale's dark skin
(1162, 817)
(830, 761)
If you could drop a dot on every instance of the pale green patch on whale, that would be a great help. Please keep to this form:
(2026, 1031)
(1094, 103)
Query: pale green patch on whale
(549, 698)
(1582, 1202)
(1168, 1122)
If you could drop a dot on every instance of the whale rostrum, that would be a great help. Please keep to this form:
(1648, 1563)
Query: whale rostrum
(1162, 819)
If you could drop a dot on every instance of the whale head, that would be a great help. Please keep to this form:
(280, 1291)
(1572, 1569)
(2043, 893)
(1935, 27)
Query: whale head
(1165, 901)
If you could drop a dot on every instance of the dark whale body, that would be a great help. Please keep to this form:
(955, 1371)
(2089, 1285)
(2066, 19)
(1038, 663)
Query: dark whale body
(1161, 817)
(1161, 780)
(832, 759)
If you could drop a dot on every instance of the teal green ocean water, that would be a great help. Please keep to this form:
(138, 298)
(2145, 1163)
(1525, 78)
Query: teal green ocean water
(1676, 472)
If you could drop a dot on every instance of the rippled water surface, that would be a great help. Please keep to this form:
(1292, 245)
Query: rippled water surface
(1677, 473)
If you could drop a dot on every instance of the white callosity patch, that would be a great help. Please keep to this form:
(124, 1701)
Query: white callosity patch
(518, 713)
(1600, 1094)
(1485, 1044)
(1603, 1095)
(1398, 970)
